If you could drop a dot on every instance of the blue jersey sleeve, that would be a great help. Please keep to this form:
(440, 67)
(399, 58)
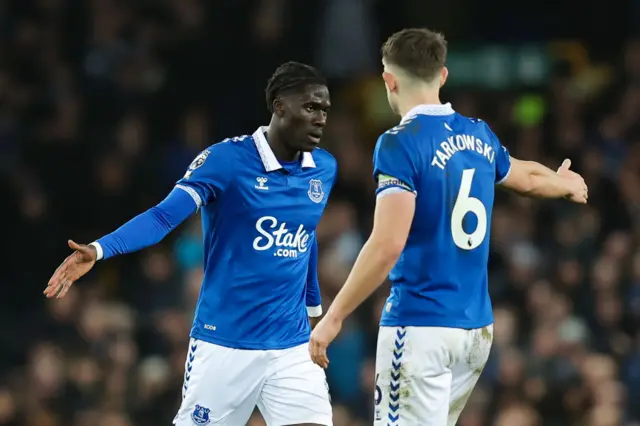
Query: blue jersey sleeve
(503, 159)
(503, 163)
(313, 298)
(148, 228)
(210, 173)
(393, 166)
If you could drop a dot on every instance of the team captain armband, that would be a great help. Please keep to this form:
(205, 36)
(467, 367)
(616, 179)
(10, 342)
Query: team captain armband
(386, 182)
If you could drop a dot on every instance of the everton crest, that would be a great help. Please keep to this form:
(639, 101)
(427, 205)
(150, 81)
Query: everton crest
(316, 193)
(197, 163)
(200, 416)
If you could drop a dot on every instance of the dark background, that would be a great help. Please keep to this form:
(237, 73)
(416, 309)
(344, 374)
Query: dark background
(103, 104)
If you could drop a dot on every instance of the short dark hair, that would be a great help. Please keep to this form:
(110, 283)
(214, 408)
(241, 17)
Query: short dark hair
(420, 52)
(291, 77)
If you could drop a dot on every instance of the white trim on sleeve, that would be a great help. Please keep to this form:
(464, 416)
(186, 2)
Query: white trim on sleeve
(505, 176)
(192, 192)
(394, 190)
(98, 248)
(314, 311)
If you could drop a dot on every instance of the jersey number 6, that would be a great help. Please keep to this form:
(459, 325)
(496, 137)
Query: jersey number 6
(466, 204)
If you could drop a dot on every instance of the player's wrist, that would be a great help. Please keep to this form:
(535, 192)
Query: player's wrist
(335, 314)
(95, 246)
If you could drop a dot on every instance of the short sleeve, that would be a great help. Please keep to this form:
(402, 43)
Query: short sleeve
(503, 159)
(393, 166)
(209, 173)
(334, 174)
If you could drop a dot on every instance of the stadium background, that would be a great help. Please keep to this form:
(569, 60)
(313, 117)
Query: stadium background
(103, 104)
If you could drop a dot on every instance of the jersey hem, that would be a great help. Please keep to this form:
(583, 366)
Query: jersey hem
(255, 346)
(465, 325)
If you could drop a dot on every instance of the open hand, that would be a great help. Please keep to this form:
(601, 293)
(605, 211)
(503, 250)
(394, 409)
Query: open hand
(322, 335)
(75, 266)
(578, 191)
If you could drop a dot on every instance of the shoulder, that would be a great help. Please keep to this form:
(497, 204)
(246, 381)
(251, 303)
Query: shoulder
(324, 158)
(474, 123)
(232, 144)
(228, 147)
(403, 130)
(479, 127)
(219, 155)
(396, 139)
(471, 120)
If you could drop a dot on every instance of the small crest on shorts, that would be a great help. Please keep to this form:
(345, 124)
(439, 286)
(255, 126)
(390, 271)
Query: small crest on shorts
(200, 416)
(316, 193)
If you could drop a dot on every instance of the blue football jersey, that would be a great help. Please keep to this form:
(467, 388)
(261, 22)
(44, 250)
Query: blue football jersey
(452, 164)
(258, 219)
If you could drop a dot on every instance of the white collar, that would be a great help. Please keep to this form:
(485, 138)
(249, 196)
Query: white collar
(267, 156)
(424, 109)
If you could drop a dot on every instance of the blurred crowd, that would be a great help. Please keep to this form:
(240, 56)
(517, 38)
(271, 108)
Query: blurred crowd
(104, 103)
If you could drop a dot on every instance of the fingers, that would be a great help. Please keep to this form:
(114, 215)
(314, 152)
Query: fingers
(82, 248)
(56, 280)
(318, 353)
(74, 246)
(64, 289)
(87, 252)
(580, 197)
(566, 164)
(59, 288)
(56, 286)
(62, 278)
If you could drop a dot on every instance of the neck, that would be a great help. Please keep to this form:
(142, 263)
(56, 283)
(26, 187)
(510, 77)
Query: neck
(419, 96)
(278, 144)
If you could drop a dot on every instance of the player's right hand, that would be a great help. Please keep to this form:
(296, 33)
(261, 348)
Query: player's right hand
(578, 191)
(75, 266)
(322, 335)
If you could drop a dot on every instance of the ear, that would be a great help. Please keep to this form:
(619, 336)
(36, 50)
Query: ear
(443, 76)
(278, 107)
(390, 81)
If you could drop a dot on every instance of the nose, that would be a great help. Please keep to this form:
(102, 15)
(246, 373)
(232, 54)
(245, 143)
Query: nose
(320, 119)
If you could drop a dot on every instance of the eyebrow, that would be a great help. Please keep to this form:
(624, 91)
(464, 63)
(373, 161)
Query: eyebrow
(318, 103)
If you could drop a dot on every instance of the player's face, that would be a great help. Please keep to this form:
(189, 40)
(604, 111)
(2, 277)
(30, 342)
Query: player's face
(306, 116)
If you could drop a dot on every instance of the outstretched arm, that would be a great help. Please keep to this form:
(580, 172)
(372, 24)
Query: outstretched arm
(148, 228)
(142, 231)
(532, 179)
(205, 180)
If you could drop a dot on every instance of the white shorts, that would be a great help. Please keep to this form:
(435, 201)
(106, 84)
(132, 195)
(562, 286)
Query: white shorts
(425, 375)
(223, 386)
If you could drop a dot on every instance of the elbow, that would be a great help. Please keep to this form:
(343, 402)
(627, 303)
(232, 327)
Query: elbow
(529, 186)
(389, 250)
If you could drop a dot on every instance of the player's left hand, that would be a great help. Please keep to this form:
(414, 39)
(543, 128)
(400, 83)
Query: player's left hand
(322, 335)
